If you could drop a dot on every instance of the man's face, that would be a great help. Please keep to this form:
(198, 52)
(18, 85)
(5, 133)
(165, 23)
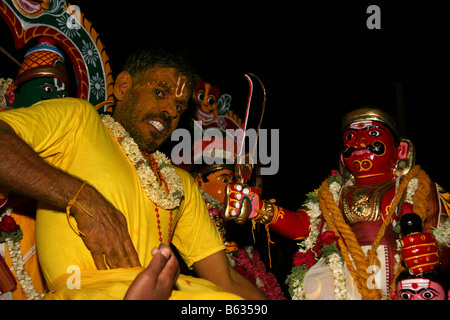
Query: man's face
(152, 110)
(369, 150)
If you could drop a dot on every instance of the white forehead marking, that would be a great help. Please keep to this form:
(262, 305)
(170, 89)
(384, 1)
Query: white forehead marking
(415, 284)
(361, 124)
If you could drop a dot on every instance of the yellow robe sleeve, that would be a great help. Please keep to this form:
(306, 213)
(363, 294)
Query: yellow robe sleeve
(196, 236)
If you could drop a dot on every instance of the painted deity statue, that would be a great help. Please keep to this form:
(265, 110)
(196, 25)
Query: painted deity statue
(415, 283)
(213, 108)
(42, 76)
(212, 180)
(350, 225)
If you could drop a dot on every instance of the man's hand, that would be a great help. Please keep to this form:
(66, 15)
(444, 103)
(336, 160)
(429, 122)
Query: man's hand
(105, 232)
(157, 281)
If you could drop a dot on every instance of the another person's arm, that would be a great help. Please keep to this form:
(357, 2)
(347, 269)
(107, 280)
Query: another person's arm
(216, 269)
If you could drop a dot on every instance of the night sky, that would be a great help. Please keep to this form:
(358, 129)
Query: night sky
(317, 62)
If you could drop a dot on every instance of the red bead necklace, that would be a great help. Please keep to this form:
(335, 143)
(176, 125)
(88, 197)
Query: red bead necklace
(155, 169)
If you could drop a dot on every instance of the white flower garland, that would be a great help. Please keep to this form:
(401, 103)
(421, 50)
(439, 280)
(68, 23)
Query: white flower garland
(19, 266)
(212, 202)
(442, 233)
(314, 213)
(148, 179)
(335, 262)
(4, 86)
(340, 283)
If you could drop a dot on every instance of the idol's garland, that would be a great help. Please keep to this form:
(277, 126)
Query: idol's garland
(166, 200)
(319, 244)
(11, 234)
(310, 252)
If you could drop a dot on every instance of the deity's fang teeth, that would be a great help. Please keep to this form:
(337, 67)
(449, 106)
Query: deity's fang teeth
(158, 125)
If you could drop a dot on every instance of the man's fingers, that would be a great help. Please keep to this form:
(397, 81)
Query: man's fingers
(98, 260)
(157, 280)
(106, 232)
(157, 264)
(171, 269)
(132, 255)
(120, 252)
(124, 248)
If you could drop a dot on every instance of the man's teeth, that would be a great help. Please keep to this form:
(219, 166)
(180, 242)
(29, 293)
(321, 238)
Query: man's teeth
(158, 125)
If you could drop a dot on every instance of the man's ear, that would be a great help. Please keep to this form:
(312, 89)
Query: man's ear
(198, 181)
(122, 85)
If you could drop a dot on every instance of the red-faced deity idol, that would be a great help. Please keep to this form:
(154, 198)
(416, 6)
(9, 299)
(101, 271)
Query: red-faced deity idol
(350, 225)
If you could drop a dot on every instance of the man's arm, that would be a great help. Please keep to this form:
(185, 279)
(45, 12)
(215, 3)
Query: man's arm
(24, 172)
(216, 269)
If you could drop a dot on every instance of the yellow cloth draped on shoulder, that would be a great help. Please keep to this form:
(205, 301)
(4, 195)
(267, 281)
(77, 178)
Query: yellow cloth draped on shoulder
(69, 134)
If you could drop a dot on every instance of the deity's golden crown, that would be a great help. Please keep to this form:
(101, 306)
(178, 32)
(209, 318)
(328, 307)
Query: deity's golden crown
(370, 114)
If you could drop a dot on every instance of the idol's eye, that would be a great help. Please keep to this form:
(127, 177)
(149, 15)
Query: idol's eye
(428, 295)
(211, 100)
(226, 180)
(349, 136)
(405, 296)
(374, 133)
(48, 89)
(200, 96)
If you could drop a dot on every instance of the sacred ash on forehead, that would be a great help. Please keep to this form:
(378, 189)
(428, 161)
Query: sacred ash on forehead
(181, 83)
(370, 114)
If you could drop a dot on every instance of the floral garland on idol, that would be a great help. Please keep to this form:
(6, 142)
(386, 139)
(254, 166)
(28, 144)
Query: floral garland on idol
(6, 92)
(246, 261)
(11, 234)
(323, 243)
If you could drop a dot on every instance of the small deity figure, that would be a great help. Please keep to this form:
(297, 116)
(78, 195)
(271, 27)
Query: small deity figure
(419, 281)
(213, 108)
(42, 76)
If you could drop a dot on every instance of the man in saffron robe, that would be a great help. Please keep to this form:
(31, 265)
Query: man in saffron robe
(111, 228)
